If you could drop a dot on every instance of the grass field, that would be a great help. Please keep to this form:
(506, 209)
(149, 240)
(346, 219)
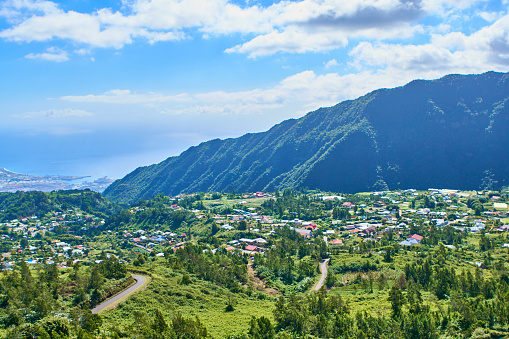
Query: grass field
(205, 300)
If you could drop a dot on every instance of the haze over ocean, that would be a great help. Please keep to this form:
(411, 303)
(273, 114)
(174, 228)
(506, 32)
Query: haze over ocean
(82, 155)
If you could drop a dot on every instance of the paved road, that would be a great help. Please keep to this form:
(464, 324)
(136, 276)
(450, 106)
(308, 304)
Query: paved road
(139, 281)
(323, 269)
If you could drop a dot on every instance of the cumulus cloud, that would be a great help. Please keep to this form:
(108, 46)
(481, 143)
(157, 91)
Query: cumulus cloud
(486, 49)
(308, 89)
(288, 26)
(441, 6)
(292, 40)
(51, 54)
(369, 15)
(331, 63)
(55, 113)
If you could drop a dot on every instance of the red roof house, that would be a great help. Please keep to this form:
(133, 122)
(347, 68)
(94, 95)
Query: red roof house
(416, 237)
(337, 242)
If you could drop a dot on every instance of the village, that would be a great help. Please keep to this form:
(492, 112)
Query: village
(66, 238)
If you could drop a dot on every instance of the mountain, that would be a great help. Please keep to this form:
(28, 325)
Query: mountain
(451, 132)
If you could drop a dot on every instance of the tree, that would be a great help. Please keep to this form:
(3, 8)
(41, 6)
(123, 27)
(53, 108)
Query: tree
(96, 278)
(23, 243)
(215, 228)
(91, 322)
(242, 225)
(230, 304)
(397, 300)
(389, 251)
(160, 324)
(261, 328)
(330, 281)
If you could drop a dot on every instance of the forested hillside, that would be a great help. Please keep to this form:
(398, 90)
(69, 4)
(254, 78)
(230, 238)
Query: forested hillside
(35, 203)
(449, 132)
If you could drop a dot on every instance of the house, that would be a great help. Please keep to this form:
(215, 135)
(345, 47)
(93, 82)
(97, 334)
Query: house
(415, 237)
(309, 227)
(409, 242)
(260, 241)
(348, 204)
(77, 252)
(303, 232)
(440, 222)
(252, 248)
(337, 242)
(180, 244)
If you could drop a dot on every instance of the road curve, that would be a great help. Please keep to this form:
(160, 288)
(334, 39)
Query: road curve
(140, 280)
(323, 269)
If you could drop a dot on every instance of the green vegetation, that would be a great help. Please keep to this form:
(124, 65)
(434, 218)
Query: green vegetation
(228, 265)
(449, 132)
(25, 204)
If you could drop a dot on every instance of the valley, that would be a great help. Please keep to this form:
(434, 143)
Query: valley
(229, 265)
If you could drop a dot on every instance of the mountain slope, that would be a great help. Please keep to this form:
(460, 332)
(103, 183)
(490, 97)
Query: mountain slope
(449, 132)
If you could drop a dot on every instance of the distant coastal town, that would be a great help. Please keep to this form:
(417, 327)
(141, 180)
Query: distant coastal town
(13, 182)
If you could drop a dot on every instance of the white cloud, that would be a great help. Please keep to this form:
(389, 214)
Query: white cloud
(288, 26)
(292, 40)
(441, 6)
(331, 63)
(486, 49)
(55, 113)
(306, 89)
(119, 96)
(51, 54)
(489, 16)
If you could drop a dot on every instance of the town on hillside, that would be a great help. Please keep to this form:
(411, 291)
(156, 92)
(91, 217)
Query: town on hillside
(342, 221)
(255, 265)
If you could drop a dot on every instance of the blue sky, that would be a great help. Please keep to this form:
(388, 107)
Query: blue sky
(102, 87)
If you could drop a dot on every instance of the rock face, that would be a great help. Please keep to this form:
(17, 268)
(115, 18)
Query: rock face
(452, 132)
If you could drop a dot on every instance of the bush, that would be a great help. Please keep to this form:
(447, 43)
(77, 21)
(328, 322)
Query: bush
(186, 280)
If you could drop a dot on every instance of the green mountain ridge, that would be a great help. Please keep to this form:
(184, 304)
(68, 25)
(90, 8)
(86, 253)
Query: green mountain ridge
(449, 132)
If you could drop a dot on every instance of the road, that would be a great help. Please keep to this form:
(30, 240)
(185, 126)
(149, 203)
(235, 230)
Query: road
(139, 282)
(323, 269)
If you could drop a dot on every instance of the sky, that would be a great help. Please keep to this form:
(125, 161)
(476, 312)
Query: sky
(99, 88)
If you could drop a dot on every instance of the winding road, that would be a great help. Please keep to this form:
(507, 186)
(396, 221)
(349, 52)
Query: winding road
(140, 280)
(323, 269)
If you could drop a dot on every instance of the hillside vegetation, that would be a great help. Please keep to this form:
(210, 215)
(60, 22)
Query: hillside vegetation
(449, 132)
(401, 264)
